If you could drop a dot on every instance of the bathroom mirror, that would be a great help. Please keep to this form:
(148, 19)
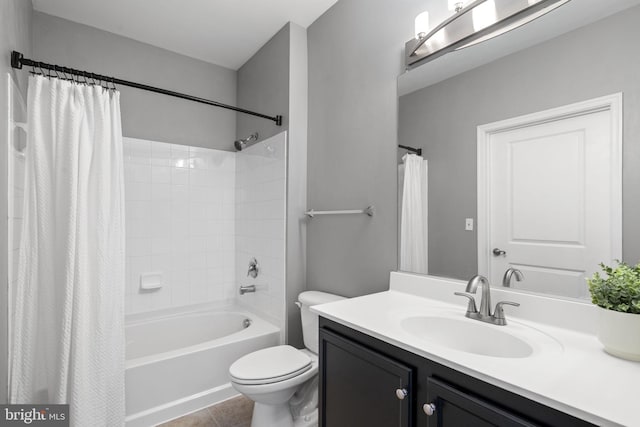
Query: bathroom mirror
(578, 53)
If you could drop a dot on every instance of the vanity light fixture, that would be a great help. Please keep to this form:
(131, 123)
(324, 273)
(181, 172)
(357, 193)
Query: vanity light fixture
(456, 5)
(473, 22)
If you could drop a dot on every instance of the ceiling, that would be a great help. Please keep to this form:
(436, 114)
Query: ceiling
(222, 32)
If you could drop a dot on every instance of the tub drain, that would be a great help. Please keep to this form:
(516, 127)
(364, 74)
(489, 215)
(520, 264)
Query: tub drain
(246, 323)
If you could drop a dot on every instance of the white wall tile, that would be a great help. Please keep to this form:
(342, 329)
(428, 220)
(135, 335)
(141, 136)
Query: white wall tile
(174, 212)
(134, 172)
(138, 246)
(198, 216)
(160, 227)
(138, 228)
(161, 154)
(137, 151)
(179, 220)
(179, 175)
(161, 246)
(139, 265)
(259, 201)
(161, 192)
(161, 174)
(137, 209)
(137, 191)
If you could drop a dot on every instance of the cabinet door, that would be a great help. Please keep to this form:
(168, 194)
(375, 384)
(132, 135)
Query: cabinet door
(455, 408)
(358, 386)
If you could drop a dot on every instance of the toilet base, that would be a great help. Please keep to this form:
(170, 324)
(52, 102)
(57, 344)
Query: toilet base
(309, 420)
(271, 415)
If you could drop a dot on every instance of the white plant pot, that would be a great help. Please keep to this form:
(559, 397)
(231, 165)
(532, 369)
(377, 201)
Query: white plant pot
(619, 333)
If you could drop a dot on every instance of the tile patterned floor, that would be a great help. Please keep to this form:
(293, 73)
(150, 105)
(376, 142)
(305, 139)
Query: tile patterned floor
(234, 412)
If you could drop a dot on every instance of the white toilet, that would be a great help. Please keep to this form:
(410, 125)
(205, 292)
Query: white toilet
(282, 380)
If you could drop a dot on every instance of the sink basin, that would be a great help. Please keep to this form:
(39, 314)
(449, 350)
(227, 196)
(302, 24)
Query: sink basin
(472, 336)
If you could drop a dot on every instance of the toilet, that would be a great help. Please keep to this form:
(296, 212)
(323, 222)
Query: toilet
(282, 380)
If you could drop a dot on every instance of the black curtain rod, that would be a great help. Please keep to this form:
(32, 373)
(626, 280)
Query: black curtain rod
(418, 151)
(18, 61)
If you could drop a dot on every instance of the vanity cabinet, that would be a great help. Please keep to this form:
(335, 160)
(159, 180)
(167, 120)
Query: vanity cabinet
(366, 382)
(363, 387)
(454, 407)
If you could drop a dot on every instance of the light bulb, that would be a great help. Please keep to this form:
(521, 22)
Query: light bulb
(484, 15)
(422, 24)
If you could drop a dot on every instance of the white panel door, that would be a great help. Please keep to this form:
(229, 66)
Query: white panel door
(550, 201)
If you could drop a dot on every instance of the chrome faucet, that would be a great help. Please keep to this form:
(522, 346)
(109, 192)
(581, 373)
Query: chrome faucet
(485, 301)
(506, 280)
(247, 289)
(484, 314)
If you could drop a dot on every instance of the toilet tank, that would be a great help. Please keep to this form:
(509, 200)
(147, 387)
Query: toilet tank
(309, 319)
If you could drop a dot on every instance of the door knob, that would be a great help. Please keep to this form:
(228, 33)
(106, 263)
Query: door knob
(429, 408)
(498, 252)
(401, 393)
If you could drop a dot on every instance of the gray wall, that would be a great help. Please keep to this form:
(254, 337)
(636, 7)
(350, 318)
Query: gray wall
(355, 56)
(145, 114)
(274, 81)
(263, 86)
(589, 62)
(297, 182)
(15, 34)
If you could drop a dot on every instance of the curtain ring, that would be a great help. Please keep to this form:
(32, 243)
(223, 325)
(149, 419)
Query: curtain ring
(104, 83)
(113, 82)
(46, 72)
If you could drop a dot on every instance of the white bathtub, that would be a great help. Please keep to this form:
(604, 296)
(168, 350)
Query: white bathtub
(178, 362)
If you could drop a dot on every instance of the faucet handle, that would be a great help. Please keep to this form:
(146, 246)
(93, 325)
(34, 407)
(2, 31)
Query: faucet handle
(498, 314)
(471, 308)
(254, 268)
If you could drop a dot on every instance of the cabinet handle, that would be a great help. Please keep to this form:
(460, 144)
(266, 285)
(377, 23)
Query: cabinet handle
(429, 408)
(401, 393)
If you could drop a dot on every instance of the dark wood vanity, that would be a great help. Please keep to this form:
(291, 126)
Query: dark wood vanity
(366, 382)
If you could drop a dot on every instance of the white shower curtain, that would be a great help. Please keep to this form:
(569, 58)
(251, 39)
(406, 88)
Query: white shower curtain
(67, 335)
(413, 217)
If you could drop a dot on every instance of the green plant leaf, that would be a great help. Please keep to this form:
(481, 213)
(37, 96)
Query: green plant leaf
(619, 291)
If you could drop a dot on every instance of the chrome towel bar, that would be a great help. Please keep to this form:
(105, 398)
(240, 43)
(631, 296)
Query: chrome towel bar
(368, 210)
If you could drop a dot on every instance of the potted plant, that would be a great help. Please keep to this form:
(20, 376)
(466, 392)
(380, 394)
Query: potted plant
(618, 297)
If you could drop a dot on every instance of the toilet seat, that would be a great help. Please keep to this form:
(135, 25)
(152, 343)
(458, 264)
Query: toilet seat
(270, 365)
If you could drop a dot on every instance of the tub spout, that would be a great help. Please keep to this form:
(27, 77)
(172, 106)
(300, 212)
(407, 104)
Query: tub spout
(248, 288)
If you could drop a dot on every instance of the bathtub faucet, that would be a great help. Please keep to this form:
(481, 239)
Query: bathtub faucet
(248, 288)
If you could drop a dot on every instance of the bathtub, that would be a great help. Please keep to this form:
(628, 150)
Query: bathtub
(177, 362)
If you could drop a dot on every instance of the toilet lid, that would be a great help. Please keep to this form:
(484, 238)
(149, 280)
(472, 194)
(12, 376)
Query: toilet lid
(270, 365)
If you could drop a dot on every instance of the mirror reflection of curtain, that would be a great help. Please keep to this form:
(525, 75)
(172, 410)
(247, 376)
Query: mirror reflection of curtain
(414, 215)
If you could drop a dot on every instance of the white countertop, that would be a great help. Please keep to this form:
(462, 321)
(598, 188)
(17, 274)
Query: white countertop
(576, 376)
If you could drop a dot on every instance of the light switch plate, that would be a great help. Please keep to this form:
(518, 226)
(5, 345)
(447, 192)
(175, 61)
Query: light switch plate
(468, 224)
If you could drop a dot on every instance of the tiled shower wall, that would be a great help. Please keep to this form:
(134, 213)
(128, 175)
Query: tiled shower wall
(260, 226)
(194, 218)
(180, 210)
